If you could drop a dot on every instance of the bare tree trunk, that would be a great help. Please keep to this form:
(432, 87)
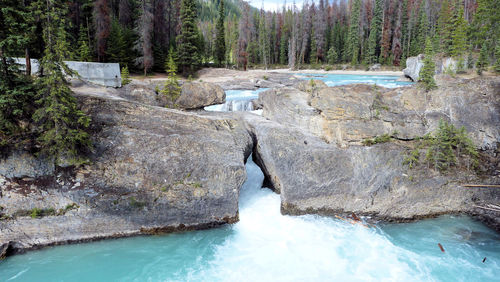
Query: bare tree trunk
(28, 62)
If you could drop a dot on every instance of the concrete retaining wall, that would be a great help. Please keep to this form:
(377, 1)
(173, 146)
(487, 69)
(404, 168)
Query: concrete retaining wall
(106, 74)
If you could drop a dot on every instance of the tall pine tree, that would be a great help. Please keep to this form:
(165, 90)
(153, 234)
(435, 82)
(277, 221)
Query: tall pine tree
(375, 31)
(220, 40)
(16, 89)
(459, 34)
(189, 55)
(354, 41)
(482, 62)
(61, 124)
(427, 72)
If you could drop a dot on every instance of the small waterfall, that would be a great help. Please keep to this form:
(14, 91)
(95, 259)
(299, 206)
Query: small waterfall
(238, 101)
(232, 106)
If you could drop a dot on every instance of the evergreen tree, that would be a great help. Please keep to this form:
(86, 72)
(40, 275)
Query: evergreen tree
(263, 36)
(284, 49)
(482, 62)
(116, 45)
(84, 53)
(444, 27)
(486, 23)
(459, 36)
(125, 76)
(423, 30)
(332, 56)
(404, 31)
(171, 89)
(497, 55)
(353, 50)
(189, 55)
(427, 72)
(375, 30)
(61, 124)
(220, 40)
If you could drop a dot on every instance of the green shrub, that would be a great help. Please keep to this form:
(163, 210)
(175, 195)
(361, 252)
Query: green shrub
(445, 148)
(428, 70)
(36, 213)
(482, 62)
(125, 76)
(384, 138)
(171, 89)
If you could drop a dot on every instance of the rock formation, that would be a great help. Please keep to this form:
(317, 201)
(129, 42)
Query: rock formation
(196, 95)
(310, 148)
(152, 169)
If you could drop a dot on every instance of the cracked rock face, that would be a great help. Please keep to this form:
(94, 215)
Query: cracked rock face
(152, 170)
(310, 148)
(196, 95)
(347, 115)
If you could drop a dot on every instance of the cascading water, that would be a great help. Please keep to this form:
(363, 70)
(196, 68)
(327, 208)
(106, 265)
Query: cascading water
(267, 246)
(237, 101)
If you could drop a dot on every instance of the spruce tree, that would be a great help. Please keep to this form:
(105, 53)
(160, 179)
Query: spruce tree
(220, 40)
(189, 55)
(459, 35)
(427, 72)
(16, 88)
(444, 27)
(497, 55)
(332, 56)
(482, 62)
(61, 125)
(404, 32)
(116, 45)
(353, 49)
(125, 74)
(375, 29)
(84, 53)
(171, 89)
(423, 30)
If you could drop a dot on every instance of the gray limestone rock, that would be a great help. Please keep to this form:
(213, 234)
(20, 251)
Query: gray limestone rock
(196, 95)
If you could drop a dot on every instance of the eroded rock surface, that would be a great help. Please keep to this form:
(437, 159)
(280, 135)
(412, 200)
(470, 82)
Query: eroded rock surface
(310, 148)
(315, 177)
(349, 114)
(196, 95)
(152, 169)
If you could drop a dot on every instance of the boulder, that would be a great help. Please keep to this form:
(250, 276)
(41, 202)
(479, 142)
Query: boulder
(152, 170)
(315, 177)
(443, 66)
(196, 95)
(413, 67)
(140, 92)
(375, 67)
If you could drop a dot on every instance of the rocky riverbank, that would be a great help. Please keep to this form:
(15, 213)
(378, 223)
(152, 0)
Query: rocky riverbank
(154, 169)
(311, 151)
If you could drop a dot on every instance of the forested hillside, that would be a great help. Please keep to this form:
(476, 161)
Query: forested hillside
(139, 33)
